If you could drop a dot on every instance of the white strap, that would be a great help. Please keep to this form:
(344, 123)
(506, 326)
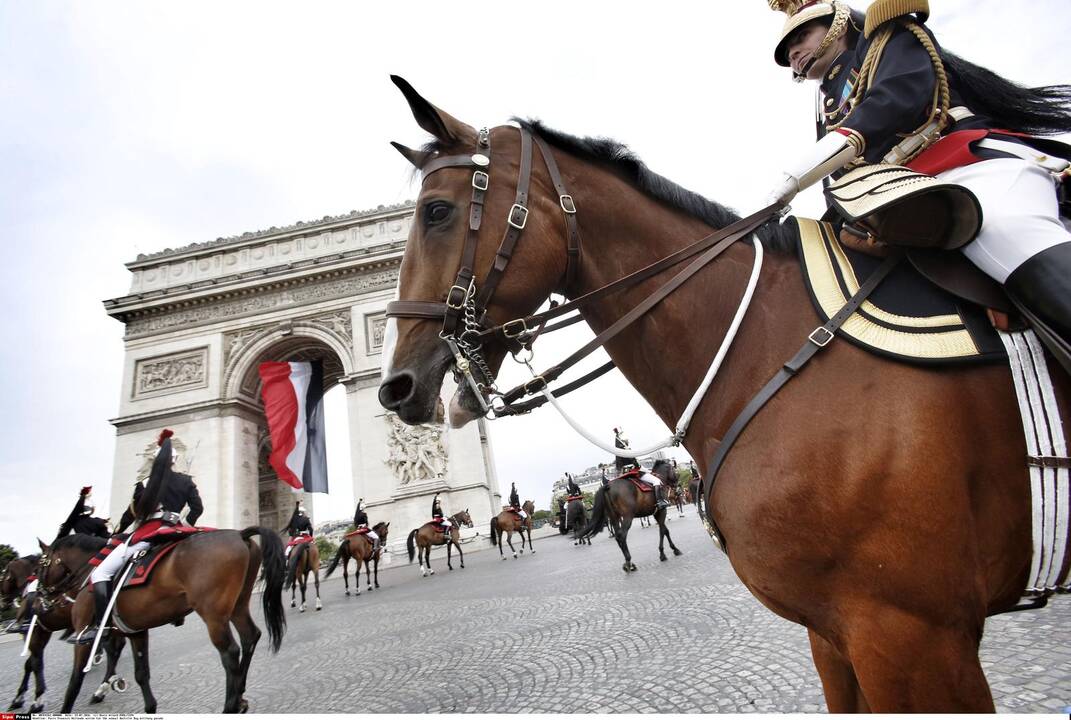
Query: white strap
(697, 397)
(1050, 163)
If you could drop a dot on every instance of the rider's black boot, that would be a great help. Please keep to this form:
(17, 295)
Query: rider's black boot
(660, 496)
(101, 592)
(1042, 287)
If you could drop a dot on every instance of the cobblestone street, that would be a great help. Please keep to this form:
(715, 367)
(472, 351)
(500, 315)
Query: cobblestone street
(560, 631)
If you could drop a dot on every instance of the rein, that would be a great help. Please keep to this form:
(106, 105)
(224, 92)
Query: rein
(46, 594)
(464, 312)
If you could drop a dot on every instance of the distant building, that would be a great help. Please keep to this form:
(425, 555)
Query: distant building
(590, 479)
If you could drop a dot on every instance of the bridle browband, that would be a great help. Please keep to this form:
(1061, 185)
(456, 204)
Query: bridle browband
(466, 326)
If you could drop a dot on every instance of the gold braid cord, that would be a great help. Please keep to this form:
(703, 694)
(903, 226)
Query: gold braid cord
(941, 95)
(882, 11)
(837, 28)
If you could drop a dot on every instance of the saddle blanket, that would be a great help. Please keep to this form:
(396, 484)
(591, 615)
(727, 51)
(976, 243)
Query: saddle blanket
(299, 540)
(436, 524)
(358, 531)
(146, 562)
(574, 497)
(158, 531)
(907, 318)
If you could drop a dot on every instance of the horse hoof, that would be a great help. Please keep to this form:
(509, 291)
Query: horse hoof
(632, 567)
(118, 685)
(97, 697)
(293, 604)
(15, 704)
(377, 584)
(625, 567)
(37, 708)
(243, 706)
(677, 552)
(663, 557)
(302, 609)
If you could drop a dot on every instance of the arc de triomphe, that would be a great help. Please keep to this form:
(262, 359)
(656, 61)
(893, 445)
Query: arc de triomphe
(201, 318)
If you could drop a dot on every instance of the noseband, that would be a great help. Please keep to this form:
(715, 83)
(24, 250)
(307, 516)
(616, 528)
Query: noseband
(464, 312)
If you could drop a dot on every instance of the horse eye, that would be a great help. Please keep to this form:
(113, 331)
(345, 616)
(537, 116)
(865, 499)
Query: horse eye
(437, 213)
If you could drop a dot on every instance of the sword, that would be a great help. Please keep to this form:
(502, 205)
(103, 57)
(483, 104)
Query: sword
(104, 620)
(29, 634)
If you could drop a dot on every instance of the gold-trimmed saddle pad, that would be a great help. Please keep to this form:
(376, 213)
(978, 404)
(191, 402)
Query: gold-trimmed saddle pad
(906, 318)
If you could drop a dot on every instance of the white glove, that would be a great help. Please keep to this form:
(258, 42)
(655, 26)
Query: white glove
(828, 155)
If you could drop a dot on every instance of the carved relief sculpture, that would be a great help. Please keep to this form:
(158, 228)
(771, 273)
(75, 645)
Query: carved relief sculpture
(415, 453)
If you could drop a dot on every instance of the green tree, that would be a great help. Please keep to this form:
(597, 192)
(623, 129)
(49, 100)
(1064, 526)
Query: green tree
(7, 554)
(326, 547)
(543, 515)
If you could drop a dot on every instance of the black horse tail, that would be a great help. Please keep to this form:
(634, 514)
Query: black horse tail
(295, 560)
(410, 546)
(338, 556)
(273, 569)
(598, 515)
(494, 530)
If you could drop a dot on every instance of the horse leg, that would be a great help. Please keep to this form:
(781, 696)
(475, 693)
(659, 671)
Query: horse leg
(449, 545)
(74, 684)
(316, 585)
(375, 570)
(139, 646)
(531, 547)
(368, 572)
(219, 633)
(460, 554)
(842, 691)
(346, 577)
(304, 582)
(906, 663)
(249, 635)
(669, 539)
(623, 526)
(113, 646)
(35, 665)
(509, 541)
(293, 594)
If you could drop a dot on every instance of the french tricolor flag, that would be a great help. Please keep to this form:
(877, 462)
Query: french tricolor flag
(293, 394)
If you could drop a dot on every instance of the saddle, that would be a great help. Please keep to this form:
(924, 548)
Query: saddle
(161, 544)
(436, 525)
(299, 540)
(931, 311)
(634, 476)
(574, 497)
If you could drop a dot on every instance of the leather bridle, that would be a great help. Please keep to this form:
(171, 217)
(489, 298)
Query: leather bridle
(466, 327)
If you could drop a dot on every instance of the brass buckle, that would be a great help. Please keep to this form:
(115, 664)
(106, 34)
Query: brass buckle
(464, 296)
(513, 212)
(820, 341)
(480, 180)
(513, 336)
(566, 201)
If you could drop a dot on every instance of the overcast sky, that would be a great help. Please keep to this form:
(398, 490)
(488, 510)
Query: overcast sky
(133, 127)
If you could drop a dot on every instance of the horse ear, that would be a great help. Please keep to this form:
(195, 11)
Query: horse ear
(416, 157)
(443, 126)
(44, 548)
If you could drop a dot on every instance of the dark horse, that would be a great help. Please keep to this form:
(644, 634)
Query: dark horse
(51, 605)
(620, 501)
(427, 535)
(576, 519)
(508, 522)
(884, 506)
(212, 574)
(304, 558)
(359, 548)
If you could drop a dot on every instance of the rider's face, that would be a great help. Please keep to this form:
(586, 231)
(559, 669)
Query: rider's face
(802, 45)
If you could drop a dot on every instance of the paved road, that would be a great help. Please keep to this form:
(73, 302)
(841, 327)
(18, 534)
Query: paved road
(563, 630)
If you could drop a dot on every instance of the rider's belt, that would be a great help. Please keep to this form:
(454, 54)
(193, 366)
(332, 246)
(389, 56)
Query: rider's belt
(168, 517)
(909, 146)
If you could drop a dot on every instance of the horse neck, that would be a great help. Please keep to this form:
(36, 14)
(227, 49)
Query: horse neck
(666, 354)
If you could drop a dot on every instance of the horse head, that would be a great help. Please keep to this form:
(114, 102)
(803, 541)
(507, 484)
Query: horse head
(464, 518)
(468, 201)
(380, 529)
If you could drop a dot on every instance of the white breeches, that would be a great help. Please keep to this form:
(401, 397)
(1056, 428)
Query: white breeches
(111, 564)
(30, 587)
(1020, 216)
(523, 514)
(651, 478)
(372, 536)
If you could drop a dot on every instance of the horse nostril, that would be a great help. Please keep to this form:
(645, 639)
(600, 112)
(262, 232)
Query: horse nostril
(396, 390)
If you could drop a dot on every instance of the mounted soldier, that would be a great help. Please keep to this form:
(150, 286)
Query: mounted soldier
(81, 519)
(438, 516)
(890, 94)
(623, 462)
(515, 502)
(299, 527)
(360, 522)
(571, 488)
(157, 507)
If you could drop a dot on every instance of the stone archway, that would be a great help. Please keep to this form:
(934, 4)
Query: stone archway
(198, 321)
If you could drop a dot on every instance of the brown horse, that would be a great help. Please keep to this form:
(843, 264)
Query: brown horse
(508, 522)
(675, 496)
(619, 502)
(884, 506)
(212, 574)
(304, 558)
(427, 535)
(51, 611)
(359, 548)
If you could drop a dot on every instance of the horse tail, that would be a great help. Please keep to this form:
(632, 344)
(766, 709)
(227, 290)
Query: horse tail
(494, 531)
(272, 573)
(335, 560)
(295, 560)
(598, 515)
(410, 546)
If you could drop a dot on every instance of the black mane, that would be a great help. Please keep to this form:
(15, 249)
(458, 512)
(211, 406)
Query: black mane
(79, 541)
(626, 163)
(618, 157)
